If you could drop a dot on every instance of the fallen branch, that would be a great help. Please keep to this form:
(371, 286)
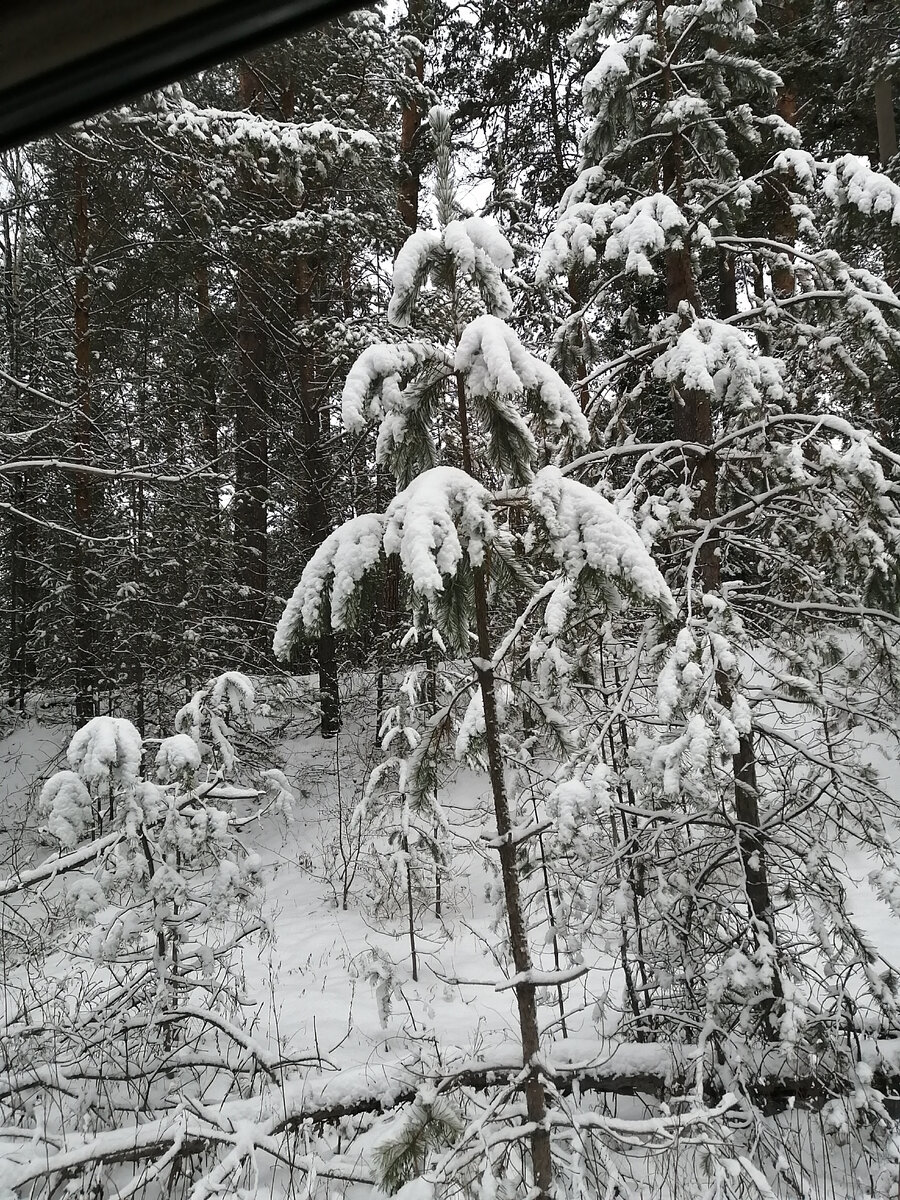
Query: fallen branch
(667, 1072)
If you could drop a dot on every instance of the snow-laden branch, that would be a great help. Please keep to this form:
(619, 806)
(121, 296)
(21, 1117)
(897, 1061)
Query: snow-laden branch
(478, 252)
(373, 388)
(340, 563)
(494, 361)
(631, 233)
(534, 978)
(60, 864)
(715, 358)
(585, 531)
(18, 466)
(443, 515)
(650, 451)
(653, 1069)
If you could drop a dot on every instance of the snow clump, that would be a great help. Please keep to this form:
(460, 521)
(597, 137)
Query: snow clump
(106, 748)
(176, 756)
(342, 561)
(443, 514)
(585, 531)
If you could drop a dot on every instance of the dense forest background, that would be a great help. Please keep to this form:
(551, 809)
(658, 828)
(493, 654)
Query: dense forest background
(501, 401)
(187, 281)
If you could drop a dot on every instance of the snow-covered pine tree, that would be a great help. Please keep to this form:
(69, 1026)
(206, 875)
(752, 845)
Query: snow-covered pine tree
(472, 424)
(300, 145)
(210, 257)
(736, 754)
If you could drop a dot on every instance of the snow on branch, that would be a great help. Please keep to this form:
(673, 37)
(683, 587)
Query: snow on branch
(106, 748)
(650, 225)
(178, 755)
(315, 144)
(233, 692)
(68, 806)
(799, 163)
(239, 1127)
(848, 182)
(410, 271)
(490, 354)
(478, 252)
(395, 383)
(431, 524)
(714, 357)
(475, 241)
(635, 232)
(534, 978)
(610, 71)
(373, 388)
(851, 181)
(339, 565)
(585, 531)
(442, 515)
(92, 851)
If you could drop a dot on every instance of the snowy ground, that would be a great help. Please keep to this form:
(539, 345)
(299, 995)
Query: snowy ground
(332, 986)
(314, 974)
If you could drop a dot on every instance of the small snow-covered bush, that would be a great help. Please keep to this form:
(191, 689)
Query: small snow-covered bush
(144, 911)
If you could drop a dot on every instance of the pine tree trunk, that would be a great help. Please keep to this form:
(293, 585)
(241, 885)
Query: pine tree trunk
(314, 474)
(208, 419)
(885, 118)
(526, 999)
(85, 668)
(208, 414)
(19, 588)
(693, 420)
(251, 461)
(408, 209)
(886, 125)
(410, 124)
(784, 223)
(251, 449)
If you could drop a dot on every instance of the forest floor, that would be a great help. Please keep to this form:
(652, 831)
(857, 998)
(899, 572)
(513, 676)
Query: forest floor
(331, 986)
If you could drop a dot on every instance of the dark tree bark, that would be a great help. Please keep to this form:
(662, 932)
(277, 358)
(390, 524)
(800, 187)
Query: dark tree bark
(693, 421)
(408, 189)
(85, 666)
(251, 430)
(207, 373)
(784, 223)
(19, 579)
(526, 999)
(885, 119)
(314, 467)
(410, 125)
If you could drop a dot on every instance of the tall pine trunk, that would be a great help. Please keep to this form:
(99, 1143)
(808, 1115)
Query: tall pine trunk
(525, 990)
(693, 422)
(408, 189)
(251, 434)
(18, 546)
(208, 409)
(410, 125)
(85, 667)
(885, 119)
(313, 435)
